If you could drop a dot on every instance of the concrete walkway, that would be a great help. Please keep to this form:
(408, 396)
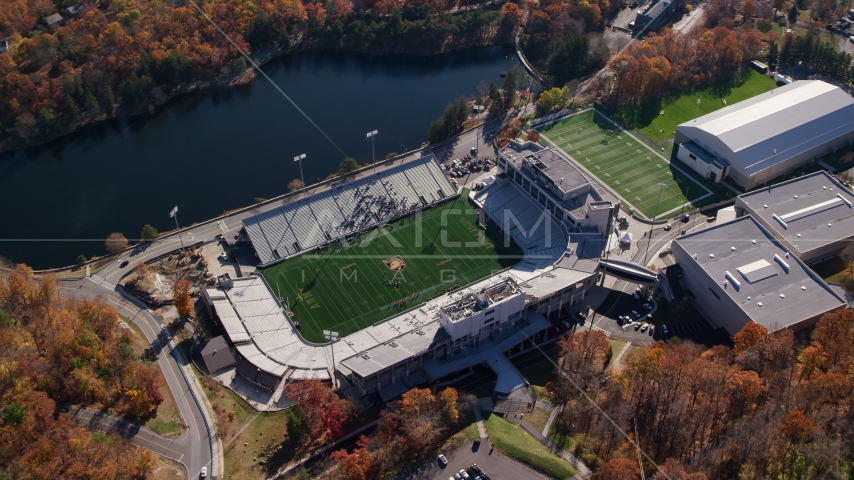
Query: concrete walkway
(481, 428)
(583, 471)
(552, 415)
(615, 363)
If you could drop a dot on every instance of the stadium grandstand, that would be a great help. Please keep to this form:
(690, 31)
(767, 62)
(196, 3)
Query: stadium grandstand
(346, 209)
(439, 336)
(530, 225)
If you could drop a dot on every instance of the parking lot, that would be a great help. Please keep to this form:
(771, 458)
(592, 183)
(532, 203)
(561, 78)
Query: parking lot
(497, 466)
(681, 318)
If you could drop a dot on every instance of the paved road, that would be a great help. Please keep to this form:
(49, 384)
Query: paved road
(98, 420)
(191, 449)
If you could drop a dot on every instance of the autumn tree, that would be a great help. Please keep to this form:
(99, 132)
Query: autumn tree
(181, 297)
(749, 336)
(322, 413)
(552, 99)
(619, 469)
(295, 185)
(116, 242)
(448, 398)
(141, 270)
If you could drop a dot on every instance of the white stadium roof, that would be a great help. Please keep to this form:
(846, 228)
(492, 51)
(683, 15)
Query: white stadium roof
(777, 125)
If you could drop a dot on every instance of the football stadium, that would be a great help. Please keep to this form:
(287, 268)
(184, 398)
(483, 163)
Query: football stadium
(379, 282)
(358, 281)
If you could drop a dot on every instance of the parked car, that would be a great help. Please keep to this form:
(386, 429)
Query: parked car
(710, 219)
(475, 468)
(664, 329)
(647, 306)
(636, 314)
(443, 460)
(566, 325)
(637, 327)
(204, 472)
(644, 327)
(465, 474)
(635, 294)
(651, 330)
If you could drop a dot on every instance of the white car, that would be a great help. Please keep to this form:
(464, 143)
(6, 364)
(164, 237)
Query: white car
(644, 327)
(443, 460)
(204, 472)
(464, 474)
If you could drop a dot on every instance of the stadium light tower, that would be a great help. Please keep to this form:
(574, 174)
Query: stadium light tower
(371, 136)
(649, 238)
(299, 158)
(174, 214)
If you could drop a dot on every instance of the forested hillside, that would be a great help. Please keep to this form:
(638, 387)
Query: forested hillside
(774, 406)
(54, 351)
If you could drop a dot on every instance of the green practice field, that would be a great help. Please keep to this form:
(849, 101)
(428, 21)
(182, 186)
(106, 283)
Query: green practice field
(659, 127)
(628, 167)
(348, 287)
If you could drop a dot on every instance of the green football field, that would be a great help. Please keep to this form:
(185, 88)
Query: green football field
(629, 168)
(348, 287)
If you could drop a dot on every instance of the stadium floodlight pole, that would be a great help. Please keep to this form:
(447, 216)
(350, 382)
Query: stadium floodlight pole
(371, 135)
(299, 158)
(174, 214)
(697, 110)
(654, 215)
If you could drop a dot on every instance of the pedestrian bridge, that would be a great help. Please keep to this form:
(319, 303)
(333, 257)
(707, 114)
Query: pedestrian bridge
(629, 271)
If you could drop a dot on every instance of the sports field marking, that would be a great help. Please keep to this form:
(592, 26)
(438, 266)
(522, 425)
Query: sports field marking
(634, 168)
(347, 289)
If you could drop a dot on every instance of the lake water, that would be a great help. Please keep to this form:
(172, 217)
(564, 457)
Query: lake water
(215, 151)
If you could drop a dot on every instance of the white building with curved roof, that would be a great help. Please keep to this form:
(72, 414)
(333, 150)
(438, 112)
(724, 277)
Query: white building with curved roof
(773, 133)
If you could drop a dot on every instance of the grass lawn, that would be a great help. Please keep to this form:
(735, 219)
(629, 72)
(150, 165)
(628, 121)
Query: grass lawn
(263, 434)
(347, 288)
(764, 26)
(631, 169)
(647, 117)
(515, 441)
(616, 346)
(467, 429)
(167, 419)
(538, 418)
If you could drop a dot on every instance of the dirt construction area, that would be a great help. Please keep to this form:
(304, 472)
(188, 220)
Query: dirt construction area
(155, 281)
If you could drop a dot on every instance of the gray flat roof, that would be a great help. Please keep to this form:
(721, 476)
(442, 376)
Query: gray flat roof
(809, 212)
(757, 270)
(558, 169)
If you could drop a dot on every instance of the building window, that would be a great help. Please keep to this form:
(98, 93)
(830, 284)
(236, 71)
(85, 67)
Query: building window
(715, 294)
(691, 156)
(487, 313)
